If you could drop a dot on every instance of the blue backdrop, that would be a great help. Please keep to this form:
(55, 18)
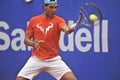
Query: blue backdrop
(96, 57)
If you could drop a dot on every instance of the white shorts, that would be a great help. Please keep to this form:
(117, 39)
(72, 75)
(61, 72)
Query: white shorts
(56, 67)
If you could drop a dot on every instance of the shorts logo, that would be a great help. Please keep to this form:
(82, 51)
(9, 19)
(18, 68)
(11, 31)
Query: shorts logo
(44, 31)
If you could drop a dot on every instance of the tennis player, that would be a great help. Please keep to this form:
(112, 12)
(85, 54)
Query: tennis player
(43, 35)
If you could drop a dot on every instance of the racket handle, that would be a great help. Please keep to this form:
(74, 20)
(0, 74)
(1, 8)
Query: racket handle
(73, 25)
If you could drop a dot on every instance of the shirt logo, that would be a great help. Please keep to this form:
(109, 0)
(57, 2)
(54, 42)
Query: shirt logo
(45, 31)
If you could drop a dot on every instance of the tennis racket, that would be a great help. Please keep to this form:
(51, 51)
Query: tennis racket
(90, 15)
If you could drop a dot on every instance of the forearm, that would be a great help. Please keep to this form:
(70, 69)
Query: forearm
(29, 42)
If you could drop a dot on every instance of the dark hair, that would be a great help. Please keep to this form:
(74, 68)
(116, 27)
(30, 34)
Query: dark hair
(52, 0)
(46, 4)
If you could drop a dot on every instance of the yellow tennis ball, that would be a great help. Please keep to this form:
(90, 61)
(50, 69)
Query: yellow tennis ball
(93, 17)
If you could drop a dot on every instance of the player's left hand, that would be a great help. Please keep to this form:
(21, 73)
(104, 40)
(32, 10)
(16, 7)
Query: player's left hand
(37, 44)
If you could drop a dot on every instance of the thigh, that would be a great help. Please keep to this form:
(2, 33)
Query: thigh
(58, 68)
(31, 68)
(21, 78)
(68, 76)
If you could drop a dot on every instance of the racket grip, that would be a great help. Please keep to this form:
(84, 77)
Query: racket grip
(73, 25)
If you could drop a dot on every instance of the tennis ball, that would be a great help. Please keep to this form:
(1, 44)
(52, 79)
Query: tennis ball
(93, 17)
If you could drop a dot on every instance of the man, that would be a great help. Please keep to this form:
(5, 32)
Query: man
(43, 35)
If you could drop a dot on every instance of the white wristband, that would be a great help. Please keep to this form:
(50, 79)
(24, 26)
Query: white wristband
(73, 25)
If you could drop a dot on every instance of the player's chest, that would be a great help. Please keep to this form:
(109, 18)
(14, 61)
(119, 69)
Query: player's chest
(45, 28)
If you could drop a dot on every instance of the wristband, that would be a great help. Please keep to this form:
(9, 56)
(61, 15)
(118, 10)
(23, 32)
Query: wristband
(73, 25)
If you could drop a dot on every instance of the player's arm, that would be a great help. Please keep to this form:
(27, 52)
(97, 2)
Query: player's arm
(28, 41)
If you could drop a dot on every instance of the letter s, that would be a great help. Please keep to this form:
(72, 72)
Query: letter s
(4, 37)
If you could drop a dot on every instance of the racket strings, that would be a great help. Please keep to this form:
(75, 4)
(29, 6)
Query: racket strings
(86, 11)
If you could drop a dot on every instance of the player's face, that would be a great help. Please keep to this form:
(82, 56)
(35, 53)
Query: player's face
(50, 10)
